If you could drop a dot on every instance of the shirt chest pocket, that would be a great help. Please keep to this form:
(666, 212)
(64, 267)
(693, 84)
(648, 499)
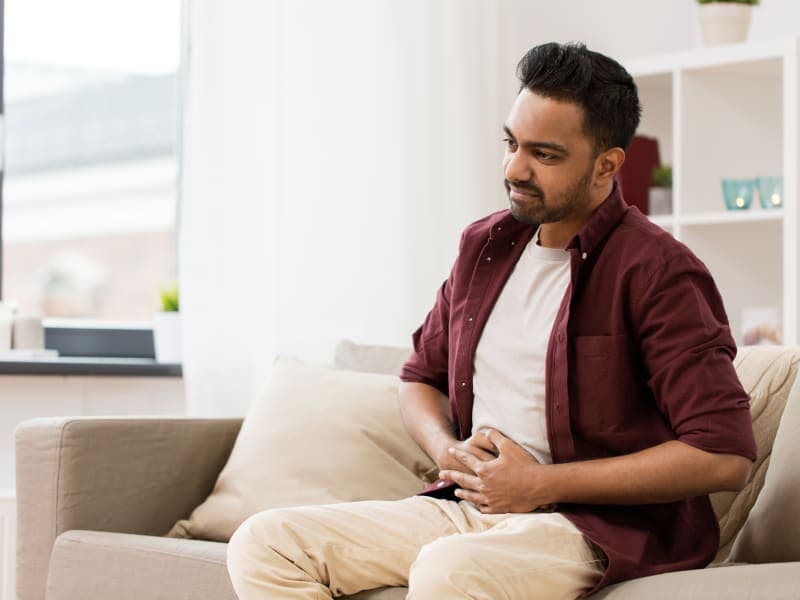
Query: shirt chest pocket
(604, 385)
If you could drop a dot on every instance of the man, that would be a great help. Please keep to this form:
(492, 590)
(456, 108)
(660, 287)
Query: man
(573, 382)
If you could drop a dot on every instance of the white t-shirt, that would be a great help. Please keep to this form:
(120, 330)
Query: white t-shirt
(509, 369)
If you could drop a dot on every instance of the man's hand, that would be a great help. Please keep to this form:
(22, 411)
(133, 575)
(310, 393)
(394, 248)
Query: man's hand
(515, 482)
(477, 446)
(505, 483)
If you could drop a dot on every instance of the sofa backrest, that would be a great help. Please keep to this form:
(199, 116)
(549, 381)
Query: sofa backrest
(771, 532)
(767, 374)
(363, 358)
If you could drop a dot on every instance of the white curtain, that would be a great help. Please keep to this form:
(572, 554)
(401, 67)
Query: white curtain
(333, 153)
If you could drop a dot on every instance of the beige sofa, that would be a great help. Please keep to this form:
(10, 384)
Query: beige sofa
(95, 496)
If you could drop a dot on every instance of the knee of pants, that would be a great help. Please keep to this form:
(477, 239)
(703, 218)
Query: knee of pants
(253, 541)
(444, 564)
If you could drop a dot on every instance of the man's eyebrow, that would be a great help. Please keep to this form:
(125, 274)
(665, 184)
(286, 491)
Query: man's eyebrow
(537, 145)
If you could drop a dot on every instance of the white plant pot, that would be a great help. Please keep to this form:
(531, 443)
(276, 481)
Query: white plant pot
(659, 201)
(724, 22)
(167, 337)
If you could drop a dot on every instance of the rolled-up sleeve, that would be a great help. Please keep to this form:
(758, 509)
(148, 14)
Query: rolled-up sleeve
(688, 351)
(428, 362)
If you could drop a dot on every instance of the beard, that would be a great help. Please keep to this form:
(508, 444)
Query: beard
(543, 209)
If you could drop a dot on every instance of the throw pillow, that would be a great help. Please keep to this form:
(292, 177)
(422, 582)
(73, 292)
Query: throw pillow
(314, 436)
(772, 530)
(767, 374)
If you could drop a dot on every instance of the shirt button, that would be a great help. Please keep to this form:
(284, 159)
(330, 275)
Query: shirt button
(469, 319)
(584, 255)
(488, 259)
(512, 243)
(463, 384)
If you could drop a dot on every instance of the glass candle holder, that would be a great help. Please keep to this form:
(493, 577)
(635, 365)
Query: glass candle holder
(738, 193)
(770, 191)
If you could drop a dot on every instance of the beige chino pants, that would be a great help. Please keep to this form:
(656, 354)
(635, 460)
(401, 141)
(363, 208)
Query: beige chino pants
(440, 549)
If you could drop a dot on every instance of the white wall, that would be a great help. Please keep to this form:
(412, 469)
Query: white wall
(774, 19)
(335, 149)
(8, 544)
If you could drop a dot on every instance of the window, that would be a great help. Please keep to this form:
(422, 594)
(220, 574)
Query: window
(90, 183)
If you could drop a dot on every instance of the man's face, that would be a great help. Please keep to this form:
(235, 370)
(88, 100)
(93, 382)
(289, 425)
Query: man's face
(549, 160)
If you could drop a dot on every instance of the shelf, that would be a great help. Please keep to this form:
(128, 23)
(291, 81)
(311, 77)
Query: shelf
(88, 365)
(718, 218)
(737, 58)
(730, 57)
(727, 112)
(723, 217)
(665, 221)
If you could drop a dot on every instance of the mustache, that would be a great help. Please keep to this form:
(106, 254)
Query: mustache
(524, 186)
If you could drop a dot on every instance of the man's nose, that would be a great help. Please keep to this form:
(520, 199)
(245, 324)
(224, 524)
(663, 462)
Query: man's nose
(516, 167)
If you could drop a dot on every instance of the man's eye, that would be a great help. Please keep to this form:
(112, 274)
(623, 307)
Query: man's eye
(546, 156)
(510, 143)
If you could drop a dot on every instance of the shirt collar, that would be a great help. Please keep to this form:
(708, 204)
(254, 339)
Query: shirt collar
(503, 224)
(600, 223)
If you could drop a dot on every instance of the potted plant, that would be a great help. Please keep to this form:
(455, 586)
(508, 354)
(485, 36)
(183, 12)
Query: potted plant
(660, 197)
(724, 21)
(167, 327)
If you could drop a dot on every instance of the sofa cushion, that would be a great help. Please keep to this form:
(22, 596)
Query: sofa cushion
(315, 436)
(767, 374)
(96, 564)
(780, 581)
(370, 359)
(772, 530)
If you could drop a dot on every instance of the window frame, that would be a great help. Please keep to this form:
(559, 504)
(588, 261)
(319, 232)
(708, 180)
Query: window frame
(99, 338)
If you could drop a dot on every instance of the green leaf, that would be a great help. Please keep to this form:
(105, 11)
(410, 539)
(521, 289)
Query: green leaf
(662, 176)
(169, 299)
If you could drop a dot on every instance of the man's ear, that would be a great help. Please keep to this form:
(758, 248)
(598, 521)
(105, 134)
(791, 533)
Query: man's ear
(608, 164)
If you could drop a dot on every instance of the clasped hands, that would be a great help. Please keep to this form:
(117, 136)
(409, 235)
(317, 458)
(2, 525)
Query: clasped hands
(496, 474)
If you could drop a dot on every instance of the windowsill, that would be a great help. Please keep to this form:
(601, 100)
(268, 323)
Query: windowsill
(91, 365)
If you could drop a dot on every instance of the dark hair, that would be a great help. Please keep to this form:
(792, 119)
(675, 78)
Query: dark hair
(599, 85)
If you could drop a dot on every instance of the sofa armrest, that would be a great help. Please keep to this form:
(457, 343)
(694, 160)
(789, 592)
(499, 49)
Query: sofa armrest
(132, 475)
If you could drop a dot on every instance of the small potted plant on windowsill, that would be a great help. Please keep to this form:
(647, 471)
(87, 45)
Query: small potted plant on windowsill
(660, 198)
(167, 327)
(724, 21)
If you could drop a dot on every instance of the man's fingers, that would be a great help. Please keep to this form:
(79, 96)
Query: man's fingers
(477, 451)
(465, 458)
(495, 438)
(466, 481)
(473, 497)
(479, 440)
(502, 443)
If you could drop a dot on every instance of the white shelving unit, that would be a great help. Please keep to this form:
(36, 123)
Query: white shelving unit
(731, 112)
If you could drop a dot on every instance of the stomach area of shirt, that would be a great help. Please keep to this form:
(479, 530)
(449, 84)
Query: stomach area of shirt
(526, 428)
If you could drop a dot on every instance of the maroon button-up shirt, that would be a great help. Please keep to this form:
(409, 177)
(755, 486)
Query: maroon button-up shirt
(640, 353)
